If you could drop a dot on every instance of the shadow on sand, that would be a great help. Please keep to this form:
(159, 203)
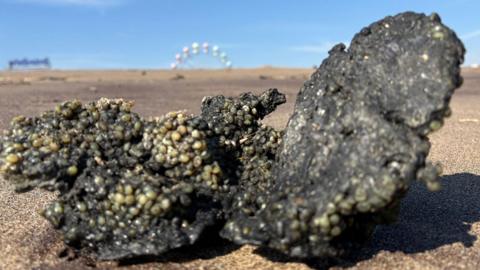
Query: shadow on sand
(208, 247)
(428, 220)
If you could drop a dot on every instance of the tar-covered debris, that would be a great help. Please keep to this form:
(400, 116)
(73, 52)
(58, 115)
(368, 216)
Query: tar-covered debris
(357, 138)
(50, 151)
(130, 186)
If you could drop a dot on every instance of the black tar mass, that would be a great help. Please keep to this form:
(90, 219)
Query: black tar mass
(357, 139)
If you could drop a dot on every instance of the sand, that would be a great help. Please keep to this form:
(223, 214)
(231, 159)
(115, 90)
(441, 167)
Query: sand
(435, 230)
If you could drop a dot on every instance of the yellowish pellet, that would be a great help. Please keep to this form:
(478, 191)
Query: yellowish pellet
(336, 231)
(72, 170)
(142, 199)
(129, 199)
(165, 204)
(54, 147)
(119, 198)
(196, 134)
(151, 194)
(176, 136)
(184, 158)
(182, 129)
(12, 158)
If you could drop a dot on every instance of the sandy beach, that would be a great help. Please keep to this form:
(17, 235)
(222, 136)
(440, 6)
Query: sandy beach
(435, 230)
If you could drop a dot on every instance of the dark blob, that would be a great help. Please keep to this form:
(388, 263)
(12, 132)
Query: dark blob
(132, 187)
(357, 138)
(50, 151)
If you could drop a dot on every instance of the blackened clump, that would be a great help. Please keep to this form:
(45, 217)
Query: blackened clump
(134, 187)
(50, 151)
(357, 138)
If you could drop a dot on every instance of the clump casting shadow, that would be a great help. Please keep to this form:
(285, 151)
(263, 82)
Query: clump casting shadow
(132, 187)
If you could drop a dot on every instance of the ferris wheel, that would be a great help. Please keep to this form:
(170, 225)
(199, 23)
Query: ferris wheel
(186, 58)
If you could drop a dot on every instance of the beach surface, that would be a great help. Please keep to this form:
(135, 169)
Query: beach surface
(435, 230)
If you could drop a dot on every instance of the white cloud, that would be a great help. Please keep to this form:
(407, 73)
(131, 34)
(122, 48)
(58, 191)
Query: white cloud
(87, 3)
(314, 48)
(471, 35)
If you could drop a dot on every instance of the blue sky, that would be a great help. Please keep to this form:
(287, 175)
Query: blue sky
(79, 34)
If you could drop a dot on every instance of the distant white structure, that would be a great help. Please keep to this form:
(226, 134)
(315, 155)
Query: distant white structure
(475, 66)
(188, 52)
